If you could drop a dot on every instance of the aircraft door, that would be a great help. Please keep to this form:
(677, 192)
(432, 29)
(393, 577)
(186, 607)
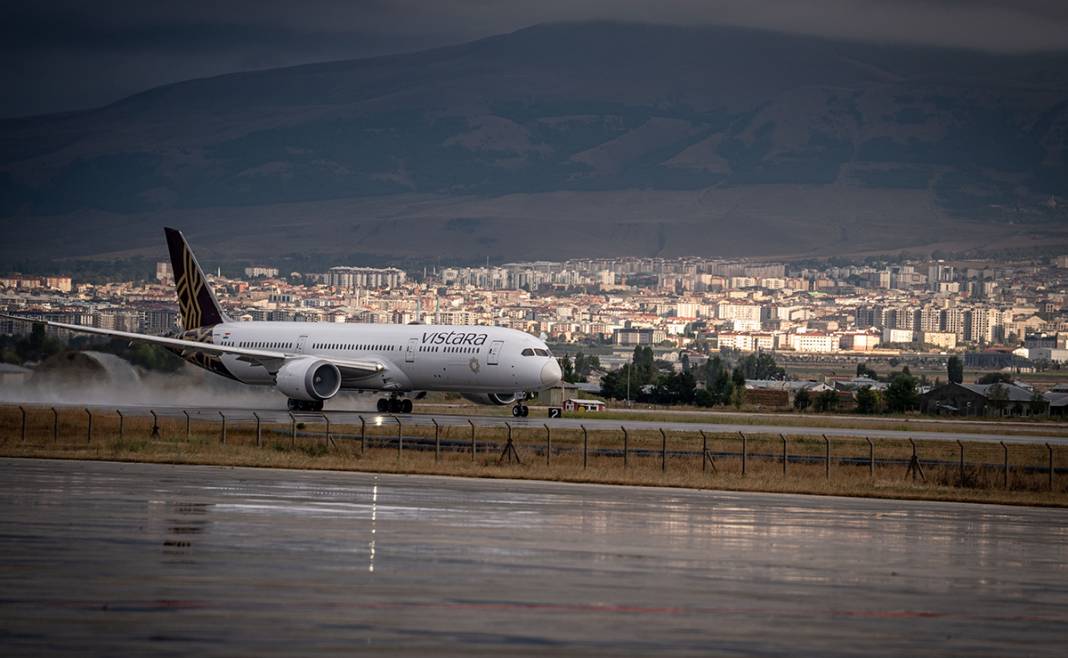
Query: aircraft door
(494, 353)
(409, 352)
(300, 344)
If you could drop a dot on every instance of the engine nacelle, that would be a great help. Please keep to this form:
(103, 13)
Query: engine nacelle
(498, 399)
(311, 380)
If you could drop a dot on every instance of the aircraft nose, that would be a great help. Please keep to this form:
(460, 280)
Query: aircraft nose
(550, 373)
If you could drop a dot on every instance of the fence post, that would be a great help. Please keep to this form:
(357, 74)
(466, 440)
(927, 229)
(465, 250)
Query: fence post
(293, 430)
(663, 451)
(704, 451)
(400, 437)
(548, 444)
(328, 440)
(827, 457)
(156, 433)
(437, 440)
(122, 422)
(222, 435)
(1004, 465)
(585, 446)
(1050, 449)
(469, 422)
(626, 446)
(509, 448)
(23, 434)
(89, 429)
(55, 424)
(871, 457)
(187, 425)
(785, 457)
(914, 464)
(258, 436)
(363, 435)
(961, 446)
(745, 451)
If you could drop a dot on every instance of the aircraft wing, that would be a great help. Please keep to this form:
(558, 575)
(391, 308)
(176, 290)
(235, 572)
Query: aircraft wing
(269, 359)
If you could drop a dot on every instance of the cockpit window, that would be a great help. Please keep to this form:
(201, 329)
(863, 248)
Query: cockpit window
(527, 352)
(541, 352)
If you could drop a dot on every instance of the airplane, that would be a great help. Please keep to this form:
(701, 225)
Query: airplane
(310, 362)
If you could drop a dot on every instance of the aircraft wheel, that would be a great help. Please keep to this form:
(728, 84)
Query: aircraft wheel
(383, 405)
(517, 411)
(525, 412)
(406, 406)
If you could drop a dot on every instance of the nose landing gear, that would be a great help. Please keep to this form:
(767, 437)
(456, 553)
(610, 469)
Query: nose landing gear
(520, 410)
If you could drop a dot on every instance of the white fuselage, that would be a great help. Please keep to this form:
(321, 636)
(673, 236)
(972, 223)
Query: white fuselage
(415, 357)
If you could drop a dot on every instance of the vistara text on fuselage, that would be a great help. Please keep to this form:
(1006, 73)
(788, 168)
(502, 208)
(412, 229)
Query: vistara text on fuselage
(310, 362)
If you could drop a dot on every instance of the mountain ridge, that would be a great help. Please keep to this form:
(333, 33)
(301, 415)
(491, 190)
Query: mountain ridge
(915, 135)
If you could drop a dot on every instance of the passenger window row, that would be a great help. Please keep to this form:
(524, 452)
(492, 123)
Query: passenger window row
(448, 349)
(355, 347)
(276, 345)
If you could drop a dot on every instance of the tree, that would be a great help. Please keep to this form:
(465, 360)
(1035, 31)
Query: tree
(674, 389)
(998, 394)
(864, 371)
(567, 369)
(720, 387)
(802, 399)
(1039, 405)
(761, 366)
(955, 370)
(826, 401)
(584, 365)
(702, 397)
(738, 378)
(738, 396)
(38, 346)
(867, 400)
(901, 394)
(644, 366)
(995, 378)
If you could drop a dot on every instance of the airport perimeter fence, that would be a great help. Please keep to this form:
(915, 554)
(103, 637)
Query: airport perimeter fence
(545, 447)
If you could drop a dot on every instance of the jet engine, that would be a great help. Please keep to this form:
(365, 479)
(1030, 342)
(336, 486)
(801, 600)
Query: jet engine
(499, 399)
(309, 379)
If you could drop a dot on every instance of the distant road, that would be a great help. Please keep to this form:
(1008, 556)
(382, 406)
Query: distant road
(858, 419)
(591, 423)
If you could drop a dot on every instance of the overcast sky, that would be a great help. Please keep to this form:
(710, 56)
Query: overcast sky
(71, 54)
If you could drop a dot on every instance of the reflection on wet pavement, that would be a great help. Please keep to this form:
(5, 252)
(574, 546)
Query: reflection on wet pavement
(118, 559)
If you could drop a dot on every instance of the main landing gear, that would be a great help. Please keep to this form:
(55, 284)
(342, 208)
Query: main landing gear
(520, 410)
(304, 405)
(394, 406)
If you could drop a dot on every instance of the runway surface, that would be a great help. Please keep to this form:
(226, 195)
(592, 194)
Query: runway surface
(113, 559)
(592, 423)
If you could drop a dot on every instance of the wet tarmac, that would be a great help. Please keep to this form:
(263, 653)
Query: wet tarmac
(111, 559)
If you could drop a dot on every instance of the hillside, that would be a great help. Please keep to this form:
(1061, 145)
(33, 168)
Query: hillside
(561, 140)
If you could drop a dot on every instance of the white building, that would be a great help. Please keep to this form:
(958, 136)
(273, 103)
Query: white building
(814, 342)
(892, 335)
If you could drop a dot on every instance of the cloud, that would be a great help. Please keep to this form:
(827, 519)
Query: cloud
(66, 54)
